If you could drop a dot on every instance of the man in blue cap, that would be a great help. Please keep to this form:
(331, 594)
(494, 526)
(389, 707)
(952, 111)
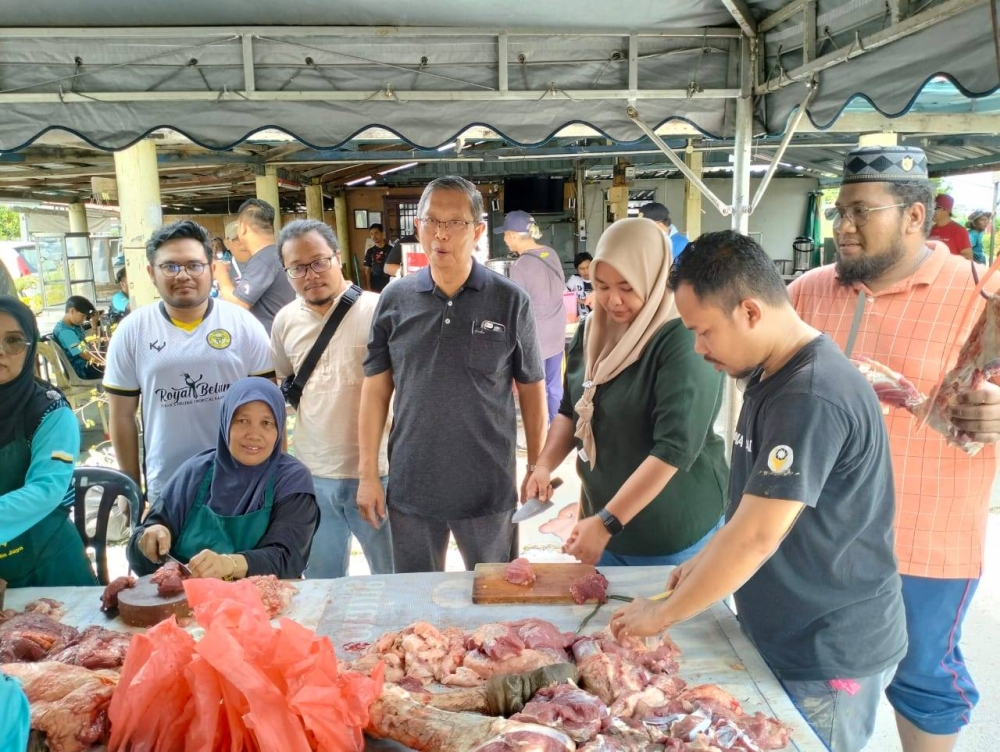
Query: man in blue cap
(539, 271)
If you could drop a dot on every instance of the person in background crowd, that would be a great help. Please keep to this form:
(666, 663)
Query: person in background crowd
(120, 305)
(326, 431)
(69, 334)
(450, 341)
(892, 297)
(263, 288)
(807, 547)
(394, 261)
(539, 272)
(661, 216)
(15, 715)
(218, 248)
(639, 406)
(178, 357)
(239, 510)
(376, 257)
(39, 442)
(580, 283)
(947, 230)
(978, 224)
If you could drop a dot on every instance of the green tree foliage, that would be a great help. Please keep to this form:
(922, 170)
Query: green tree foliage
(10, 224)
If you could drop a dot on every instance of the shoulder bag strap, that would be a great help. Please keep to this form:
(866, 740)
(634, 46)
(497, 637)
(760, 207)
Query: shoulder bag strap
(348, 299)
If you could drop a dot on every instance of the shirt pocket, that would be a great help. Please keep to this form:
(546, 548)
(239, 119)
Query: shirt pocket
(487, 353)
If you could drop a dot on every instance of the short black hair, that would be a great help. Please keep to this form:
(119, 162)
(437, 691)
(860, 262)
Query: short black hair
(180, 230)
(730, 268)
(80, 304)
(910, 192)
(120, 275)
(300, 227)
(258, 214)
(580, 258)
(376, 226)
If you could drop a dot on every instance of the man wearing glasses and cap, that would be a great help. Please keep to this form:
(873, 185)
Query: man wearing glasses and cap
(947, 230)
(178, 356)
(895, 298)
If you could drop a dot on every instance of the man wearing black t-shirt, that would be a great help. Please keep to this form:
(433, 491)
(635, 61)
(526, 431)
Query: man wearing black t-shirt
(808, 543)
(376, 258)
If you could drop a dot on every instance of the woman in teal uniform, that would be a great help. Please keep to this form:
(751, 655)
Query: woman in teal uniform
(244, 508)
(15, 716)
(39, 441)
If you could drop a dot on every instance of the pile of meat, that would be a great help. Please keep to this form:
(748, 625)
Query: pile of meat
(169, 579)
(30, 636)
(628, 696)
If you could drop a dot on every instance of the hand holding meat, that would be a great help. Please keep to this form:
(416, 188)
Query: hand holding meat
(210, 564)
(587, 541)
(371, 502)
(977, 413)
(155, 542)
(640, 618)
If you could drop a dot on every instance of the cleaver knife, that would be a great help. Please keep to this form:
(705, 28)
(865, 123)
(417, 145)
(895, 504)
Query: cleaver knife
(533, 507)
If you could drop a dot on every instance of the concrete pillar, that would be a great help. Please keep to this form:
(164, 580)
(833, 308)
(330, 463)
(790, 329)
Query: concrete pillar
(141, 214)
(878, 139)
(741, 167)
(344, 234)
(314, 202)
(267, 190)
(78, 218)
(692, 196)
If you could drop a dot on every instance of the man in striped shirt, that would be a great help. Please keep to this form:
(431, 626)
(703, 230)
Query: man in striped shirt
(896, 299)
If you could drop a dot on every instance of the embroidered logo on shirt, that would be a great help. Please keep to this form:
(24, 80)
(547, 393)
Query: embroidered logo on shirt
(245, 288)
(219, 339)
(780, 460)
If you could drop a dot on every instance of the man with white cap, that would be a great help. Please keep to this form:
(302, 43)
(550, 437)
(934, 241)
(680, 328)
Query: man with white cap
(539, 271)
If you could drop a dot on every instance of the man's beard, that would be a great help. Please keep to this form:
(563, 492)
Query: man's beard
(867, 268)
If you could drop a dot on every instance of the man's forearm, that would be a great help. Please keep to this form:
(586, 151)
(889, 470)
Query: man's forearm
(558, 443)
(534, 414)
(125, 440)
(376, 392)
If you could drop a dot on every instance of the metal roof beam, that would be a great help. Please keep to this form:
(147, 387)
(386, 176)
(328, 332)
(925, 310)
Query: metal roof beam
(977, 164)
(780, 16)
(913, 122)
(740, 11)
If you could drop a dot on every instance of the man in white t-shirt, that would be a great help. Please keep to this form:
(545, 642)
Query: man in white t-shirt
(179, 356)
(326, 430)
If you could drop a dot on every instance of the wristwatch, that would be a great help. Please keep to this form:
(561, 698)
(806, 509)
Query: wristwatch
(611, 523)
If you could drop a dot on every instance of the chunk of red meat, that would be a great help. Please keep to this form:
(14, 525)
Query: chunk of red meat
(592, 586)
(46, 606)
(109, 598)
(169, 579)
(496, 641)
(538, 634)
(33, 636)
(95, 648)
(568, 708)
(519, 572)
(526, 740)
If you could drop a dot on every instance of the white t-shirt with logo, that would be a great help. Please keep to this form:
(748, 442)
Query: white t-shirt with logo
(181, 377)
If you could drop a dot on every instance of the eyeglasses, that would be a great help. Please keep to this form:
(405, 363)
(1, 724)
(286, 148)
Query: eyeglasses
(857, 215)
(13, 344)
(319, 266)
(193, 268)
(450, 225)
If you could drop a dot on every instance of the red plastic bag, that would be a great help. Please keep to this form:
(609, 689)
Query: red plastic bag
(246, 685)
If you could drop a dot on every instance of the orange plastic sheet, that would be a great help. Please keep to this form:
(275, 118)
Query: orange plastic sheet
(246, 685)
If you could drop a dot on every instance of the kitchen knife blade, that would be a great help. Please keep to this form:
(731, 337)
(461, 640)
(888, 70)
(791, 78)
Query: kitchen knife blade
(183, 567)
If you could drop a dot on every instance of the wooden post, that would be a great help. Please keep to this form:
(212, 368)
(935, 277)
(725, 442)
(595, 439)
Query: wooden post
(344, 234)
(314, 201)
(141, 214)
(267, 190)
(692, 196)
(78, 218)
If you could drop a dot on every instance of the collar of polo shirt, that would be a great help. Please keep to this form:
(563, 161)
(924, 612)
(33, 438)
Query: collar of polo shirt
(476, 280)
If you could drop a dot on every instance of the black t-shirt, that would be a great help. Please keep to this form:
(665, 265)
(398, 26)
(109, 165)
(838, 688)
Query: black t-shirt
(827, 604)
(376, 259)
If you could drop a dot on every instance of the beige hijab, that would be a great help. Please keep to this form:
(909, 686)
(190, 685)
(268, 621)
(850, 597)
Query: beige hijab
(639, 251)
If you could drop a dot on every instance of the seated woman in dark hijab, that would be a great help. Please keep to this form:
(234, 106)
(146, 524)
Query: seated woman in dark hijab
(244, 508)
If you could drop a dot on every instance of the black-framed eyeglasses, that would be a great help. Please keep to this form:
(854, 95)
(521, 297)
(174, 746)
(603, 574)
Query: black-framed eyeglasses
(13, 344)
(856, 215)
(319, 266)
(193, 268)
(450, 225)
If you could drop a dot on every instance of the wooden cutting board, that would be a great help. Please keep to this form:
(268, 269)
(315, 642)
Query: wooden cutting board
(551, 584)
(143, 606)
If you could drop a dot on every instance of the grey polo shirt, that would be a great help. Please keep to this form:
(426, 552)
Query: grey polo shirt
(264, 286)
(454, 361)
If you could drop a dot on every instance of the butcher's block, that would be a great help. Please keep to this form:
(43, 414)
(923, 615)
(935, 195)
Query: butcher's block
(551, 584)
(143, 606)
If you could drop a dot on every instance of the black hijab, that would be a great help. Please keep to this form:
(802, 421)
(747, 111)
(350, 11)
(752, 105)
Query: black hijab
(24, 399)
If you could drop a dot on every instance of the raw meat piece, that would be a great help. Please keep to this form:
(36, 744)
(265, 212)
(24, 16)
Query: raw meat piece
(46, 606)
(519, 572)
(395, 715)
(590, 586)
(496, 641)
(95, 648)
(169, 579)
(69, 704)
(484, 667)
(356, 647)
(109, 598)
(275, 594)
(568, 708)
(501, 695)
(31, 637)
(538, 634)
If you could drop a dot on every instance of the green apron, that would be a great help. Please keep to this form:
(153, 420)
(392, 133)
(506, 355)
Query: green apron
(49, 554)
(204, 529)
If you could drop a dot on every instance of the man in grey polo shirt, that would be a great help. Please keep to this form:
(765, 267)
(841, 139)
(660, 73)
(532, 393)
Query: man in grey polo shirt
(449, 341)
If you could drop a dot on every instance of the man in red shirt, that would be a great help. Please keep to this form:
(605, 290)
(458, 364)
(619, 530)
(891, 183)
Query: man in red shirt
(947, 230)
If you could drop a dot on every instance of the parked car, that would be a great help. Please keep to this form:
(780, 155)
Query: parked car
(6, 283)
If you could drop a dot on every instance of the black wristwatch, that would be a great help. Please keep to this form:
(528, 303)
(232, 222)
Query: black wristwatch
(611, 523)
